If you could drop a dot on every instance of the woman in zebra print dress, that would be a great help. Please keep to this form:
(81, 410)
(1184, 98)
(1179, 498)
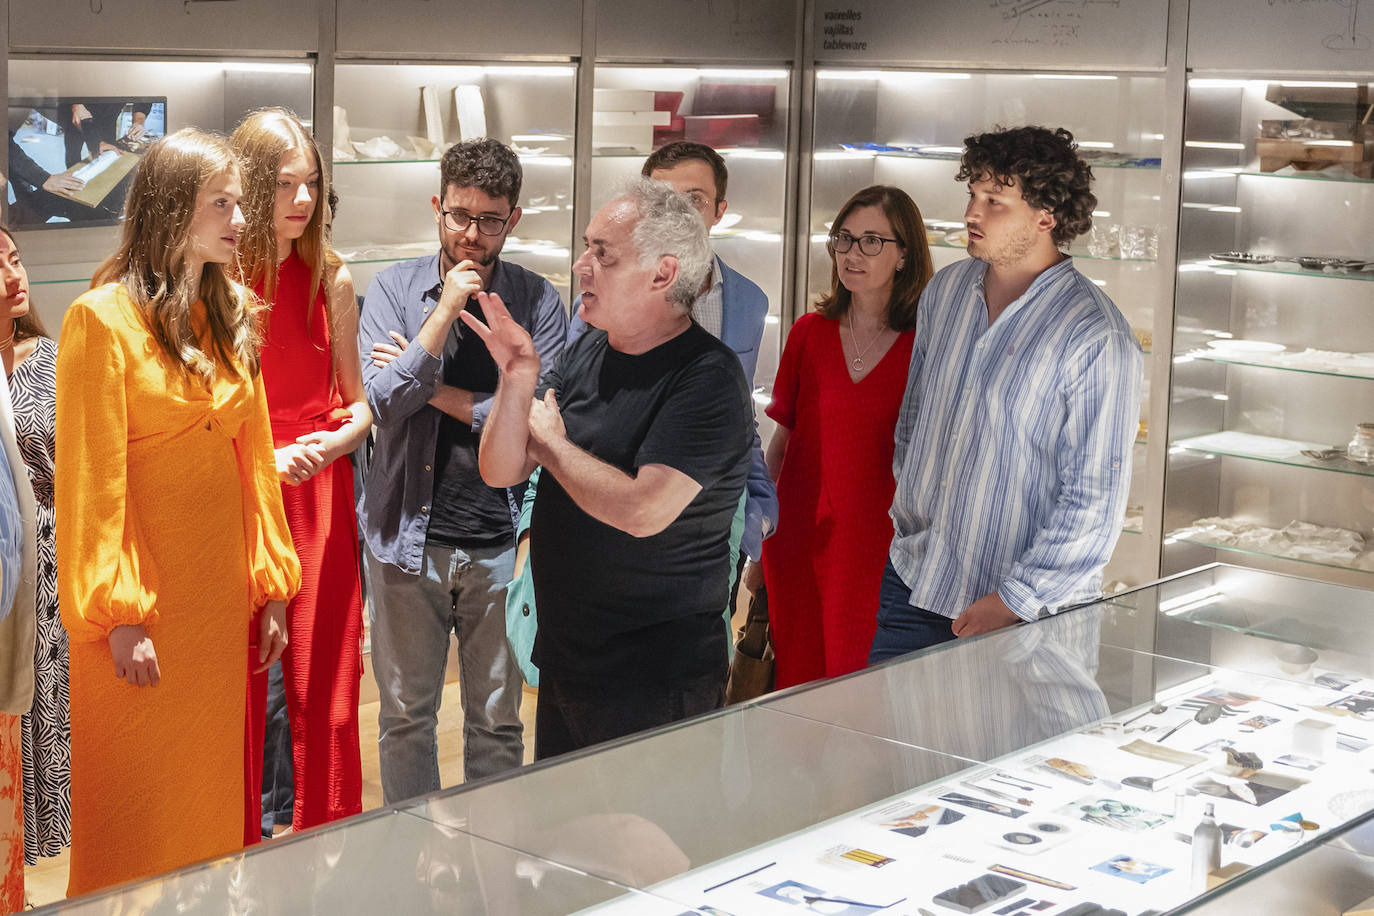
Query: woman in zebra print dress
(30, 359)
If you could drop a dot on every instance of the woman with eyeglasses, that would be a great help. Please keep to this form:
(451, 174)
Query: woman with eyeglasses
(839, 386)
(314, 383)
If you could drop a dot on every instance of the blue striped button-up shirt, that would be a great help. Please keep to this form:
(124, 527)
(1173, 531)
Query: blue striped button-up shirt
(1013, 458)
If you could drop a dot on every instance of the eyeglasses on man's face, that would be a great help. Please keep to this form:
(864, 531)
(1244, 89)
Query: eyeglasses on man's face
(869, 245)
(459, 220)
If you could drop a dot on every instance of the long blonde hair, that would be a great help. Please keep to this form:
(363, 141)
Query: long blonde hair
(260, 141)
(153, 264)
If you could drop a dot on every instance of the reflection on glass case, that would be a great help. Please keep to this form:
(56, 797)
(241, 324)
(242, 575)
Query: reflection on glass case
(392, 123)
(1061, 767)
(907, 128)
(740, 112)
(91, 119)
(1269, 464)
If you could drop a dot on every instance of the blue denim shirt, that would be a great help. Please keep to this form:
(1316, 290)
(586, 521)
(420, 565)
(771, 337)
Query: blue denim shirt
(393, 511)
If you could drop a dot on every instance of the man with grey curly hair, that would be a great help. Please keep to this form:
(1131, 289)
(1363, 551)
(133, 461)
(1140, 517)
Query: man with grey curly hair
(643, 429)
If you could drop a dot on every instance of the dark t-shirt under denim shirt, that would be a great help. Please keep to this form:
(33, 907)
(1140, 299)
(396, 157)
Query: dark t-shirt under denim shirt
(395, 506)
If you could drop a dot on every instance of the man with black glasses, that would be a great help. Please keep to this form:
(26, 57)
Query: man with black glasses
(440, 542)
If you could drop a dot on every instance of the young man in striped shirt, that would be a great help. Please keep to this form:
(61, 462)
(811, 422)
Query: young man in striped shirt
(1013, 445)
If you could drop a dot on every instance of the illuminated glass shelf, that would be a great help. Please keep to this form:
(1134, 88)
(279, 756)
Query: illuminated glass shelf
(1245, 551)
(411, 160)
(951, 156)
(1286, 268)
(1260, 362)
(1330, 179)
(1271, 451)
(389, 254)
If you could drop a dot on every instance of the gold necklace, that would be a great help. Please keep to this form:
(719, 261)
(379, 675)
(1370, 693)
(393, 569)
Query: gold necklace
(858, 361)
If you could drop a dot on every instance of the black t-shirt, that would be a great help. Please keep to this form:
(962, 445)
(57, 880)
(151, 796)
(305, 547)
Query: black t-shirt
(464, 511)
(615, 606)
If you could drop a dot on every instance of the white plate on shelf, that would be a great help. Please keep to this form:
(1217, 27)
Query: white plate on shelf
(1237, 347)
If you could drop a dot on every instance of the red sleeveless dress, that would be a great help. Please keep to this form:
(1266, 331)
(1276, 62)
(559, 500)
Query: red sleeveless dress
(322, 664)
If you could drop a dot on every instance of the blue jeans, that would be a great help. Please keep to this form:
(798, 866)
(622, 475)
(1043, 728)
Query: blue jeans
(903, 627)
(278, 797)
(460, 591)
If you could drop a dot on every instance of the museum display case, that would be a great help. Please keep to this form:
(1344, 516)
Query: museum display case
(907, 128)
(1269, 459)
(392, 122)
(1058, 768)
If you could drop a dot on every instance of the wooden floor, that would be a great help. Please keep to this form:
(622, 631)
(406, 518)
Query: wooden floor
(46, 882)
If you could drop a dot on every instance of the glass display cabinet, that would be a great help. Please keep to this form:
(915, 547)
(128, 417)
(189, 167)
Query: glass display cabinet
(1274, 348)
(91, 119)
(741, 112)
(393, 122)
(1058, 768)
(907, 128)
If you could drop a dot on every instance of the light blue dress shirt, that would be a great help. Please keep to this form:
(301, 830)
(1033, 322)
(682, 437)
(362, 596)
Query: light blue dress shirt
(11, 536)
(1013, 444)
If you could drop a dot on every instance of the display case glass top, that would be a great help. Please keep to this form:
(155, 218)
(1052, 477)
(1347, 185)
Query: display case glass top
(1066, 762)
(392, 123)
(1274, 350)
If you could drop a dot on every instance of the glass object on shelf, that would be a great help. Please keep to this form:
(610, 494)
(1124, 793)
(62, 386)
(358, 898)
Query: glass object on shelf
(77, 129)
(399, 121)
(1361, 448)
(1313, 455)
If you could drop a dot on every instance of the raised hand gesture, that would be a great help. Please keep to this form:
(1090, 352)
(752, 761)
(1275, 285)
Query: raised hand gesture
(510, 345)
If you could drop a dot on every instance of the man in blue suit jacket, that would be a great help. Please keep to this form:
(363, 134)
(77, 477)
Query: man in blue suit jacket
(731, 307)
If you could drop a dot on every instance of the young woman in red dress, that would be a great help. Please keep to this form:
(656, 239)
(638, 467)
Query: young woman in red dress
(319, 416)
(839, 386)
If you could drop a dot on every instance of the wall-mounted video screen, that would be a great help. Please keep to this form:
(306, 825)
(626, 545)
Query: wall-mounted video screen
(72, 157)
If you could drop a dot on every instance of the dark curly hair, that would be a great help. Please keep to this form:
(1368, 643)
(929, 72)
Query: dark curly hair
(1044, 166)
(487, 165)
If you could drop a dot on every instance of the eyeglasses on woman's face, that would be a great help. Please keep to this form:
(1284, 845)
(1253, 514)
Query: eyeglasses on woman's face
(869, 245)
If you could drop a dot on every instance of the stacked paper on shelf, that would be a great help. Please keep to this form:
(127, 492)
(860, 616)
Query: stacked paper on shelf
(472, 113)
(434, 118)
(625, 119)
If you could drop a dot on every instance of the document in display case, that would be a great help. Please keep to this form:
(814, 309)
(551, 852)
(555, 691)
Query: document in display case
(1061, 767)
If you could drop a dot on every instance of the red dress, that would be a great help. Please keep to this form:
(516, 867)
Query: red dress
(823, 566)
(322, 664)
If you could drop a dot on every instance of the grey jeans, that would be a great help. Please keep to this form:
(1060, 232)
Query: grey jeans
(460, 591)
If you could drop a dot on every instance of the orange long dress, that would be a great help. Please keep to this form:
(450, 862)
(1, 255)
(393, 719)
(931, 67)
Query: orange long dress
(169, 514)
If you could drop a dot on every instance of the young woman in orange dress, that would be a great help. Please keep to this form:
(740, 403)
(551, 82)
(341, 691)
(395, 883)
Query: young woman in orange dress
(171, 536)
(319, 413)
